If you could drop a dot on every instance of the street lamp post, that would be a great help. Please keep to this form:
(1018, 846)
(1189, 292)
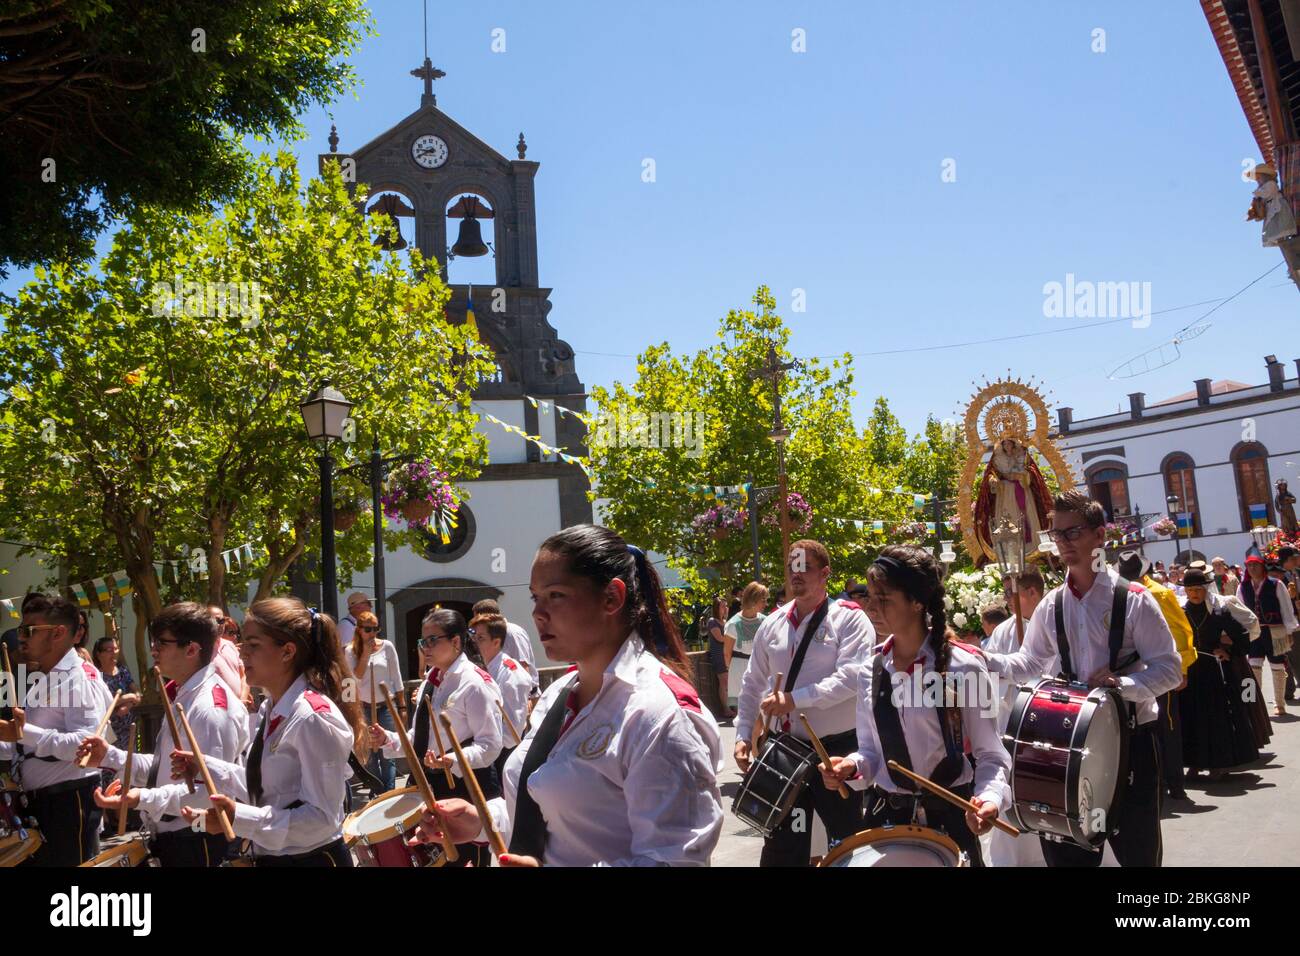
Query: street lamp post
(323, 414)
(1172, 502)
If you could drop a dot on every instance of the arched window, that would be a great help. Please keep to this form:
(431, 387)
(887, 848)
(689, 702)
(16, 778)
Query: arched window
(1108, 484)
(1250, 467)
(1180, 484)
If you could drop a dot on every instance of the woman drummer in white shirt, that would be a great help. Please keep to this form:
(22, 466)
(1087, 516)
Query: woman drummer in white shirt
(899, 717)
(288, 799)
(374, 662)
(631, 779)
(459, 687)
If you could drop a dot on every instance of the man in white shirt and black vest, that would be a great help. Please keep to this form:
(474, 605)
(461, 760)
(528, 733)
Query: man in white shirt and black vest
(818, 644)
(1136, 656)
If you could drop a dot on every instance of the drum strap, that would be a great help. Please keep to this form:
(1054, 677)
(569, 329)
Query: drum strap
(253, 773)
(814, 623)
(421, 734)
(528, 835)
(894, 743)
(1119, 606)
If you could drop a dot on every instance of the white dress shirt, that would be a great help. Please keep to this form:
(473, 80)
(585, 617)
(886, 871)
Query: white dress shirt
(468, 696)
(519, 646)
(1004, 640)
(304, 758)
(632, 781)
(1289, 623)
(825, 687)
(220, 724)
(921, 730)
(386, 667)
(515, 685)
(62, 709)
(1159, 666)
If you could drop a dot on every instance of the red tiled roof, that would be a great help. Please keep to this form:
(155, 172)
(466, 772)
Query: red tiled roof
(1216, 388)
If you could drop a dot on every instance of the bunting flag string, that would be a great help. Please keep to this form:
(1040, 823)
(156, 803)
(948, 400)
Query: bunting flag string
(545, 407)
(545, 448)
(10, 609)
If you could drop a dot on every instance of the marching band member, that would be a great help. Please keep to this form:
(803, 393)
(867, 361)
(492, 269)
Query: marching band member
(1136, 656)
(512, 679)
(468, 696)
(288, 795)
(59, 713)
(367, 652)
(918, 720)
(518, 644)
(817, 644)
(183, 639)
(620, 765)
(1268, 599)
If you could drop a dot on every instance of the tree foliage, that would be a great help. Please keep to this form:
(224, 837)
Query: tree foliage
(146, 103)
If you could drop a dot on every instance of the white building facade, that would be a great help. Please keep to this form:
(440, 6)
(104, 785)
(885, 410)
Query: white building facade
(1216, 452)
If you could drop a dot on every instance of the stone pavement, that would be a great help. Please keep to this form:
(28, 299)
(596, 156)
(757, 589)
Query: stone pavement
(1252, 818)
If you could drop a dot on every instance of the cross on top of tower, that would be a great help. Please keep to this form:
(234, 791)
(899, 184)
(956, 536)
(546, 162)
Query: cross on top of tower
(428, 72)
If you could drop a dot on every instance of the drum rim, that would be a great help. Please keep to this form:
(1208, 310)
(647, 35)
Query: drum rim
(127, 849)
(402, 827)
(777, 811)
(33, 843)
(905, 830)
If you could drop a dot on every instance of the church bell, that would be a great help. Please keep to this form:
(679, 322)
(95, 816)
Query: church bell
(391, 206)
(469, 240)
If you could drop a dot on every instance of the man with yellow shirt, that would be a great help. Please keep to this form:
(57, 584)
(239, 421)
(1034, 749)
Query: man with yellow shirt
(1134, 567)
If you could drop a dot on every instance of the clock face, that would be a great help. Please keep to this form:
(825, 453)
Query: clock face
(429, 151)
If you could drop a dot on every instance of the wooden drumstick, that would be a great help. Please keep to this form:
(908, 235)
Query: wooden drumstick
(99, 731)
(951, 797)
(821, 752)
(761, 726)
(475, 791)
(171, 722)
(203, 771)
(417, 774)
(7, 709)
(509, 723)
(126, 781)
(437, 739)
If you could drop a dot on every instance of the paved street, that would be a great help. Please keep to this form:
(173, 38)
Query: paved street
(1249, 819)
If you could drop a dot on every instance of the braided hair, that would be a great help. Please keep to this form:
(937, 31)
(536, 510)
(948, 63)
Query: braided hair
(599, 555)
(914, 571)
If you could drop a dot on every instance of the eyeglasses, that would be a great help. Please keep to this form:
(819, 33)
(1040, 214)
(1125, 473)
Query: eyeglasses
(25, 630)
(156, 642)
(1069, 534)
(367, 629)
(427, 642)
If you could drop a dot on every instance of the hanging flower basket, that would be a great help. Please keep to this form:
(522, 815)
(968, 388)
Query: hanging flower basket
(719, 521)
(345, 516)
(1165, 526)
(416, 491)
(798, 512)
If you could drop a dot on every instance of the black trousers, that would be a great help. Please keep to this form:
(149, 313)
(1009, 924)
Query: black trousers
(189, 849)
(1134, 828)
(939, 815)
(69, 824)
(471, 854)
(791, 843)
(1169, 735)
(332, 854)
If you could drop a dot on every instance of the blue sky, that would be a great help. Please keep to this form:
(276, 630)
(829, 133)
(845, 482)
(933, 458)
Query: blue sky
(821, 171)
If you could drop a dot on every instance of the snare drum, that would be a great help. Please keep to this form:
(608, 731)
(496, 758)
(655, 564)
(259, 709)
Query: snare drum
(19, 837)
(1069, 751)
(896, 846)
(773, 782)
(131, 853)
(377, 833)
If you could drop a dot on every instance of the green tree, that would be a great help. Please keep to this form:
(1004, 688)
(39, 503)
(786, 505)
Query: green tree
(721, 392)
(886, 438)
(933, 459)
(106, 105)
(145, 417)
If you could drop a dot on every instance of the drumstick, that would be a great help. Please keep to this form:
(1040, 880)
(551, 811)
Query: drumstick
(7, 710)
(417, 774)
(509, 723)
(126, 781)
(475, 791)
(171, 722)
(761, 726)
(99, 731)
(951, 797)
(437, 739)
(821, 752)
(203, 771)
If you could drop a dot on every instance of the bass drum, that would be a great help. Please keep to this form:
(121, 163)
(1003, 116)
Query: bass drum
(773, 782)
(896, 846)
(377, 832)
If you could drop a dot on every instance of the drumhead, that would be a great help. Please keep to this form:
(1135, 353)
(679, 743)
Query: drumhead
(896, 846)
(131, 853)
(379, 819)
(1099, 765)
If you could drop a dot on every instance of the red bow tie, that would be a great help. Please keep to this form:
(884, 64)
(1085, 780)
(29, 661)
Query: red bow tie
(435, 677)
(171, 689)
